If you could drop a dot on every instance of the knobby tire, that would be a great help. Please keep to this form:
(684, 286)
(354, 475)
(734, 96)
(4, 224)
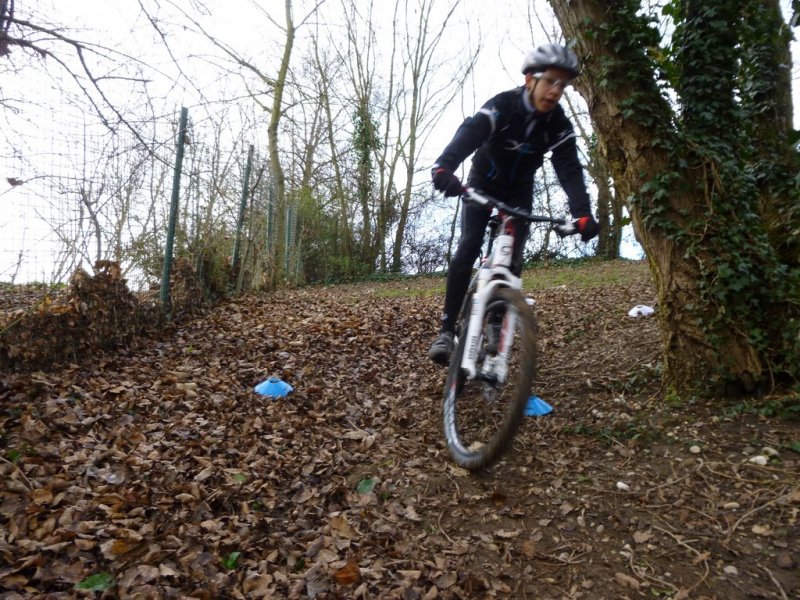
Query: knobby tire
(507, 412)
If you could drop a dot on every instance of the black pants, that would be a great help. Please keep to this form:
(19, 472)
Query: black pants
(473, 229)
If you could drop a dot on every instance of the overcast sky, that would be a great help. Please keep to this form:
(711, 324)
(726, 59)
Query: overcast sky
(502, 28)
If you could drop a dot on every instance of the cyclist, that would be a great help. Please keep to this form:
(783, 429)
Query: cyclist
(511, 133)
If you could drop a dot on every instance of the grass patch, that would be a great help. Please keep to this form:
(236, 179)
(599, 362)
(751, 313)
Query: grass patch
(585, 273)
(411, 292)
(580, 273)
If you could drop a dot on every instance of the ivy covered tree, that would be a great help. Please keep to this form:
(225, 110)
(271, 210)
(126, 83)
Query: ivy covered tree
(365, 145)
(696, 131)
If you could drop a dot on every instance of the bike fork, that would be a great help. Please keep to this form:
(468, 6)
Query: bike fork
(495, 367)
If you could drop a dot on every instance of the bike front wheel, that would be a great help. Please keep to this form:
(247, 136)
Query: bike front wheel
(482, 414)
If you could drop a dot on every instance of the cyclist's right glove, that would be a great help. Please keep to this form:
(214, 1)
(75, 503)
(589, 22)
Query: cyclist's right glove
(446, 182)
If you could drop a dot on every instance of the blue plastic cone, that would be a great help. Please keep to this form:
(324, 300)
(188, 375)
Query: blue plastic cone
(274, 387)
(537, 407)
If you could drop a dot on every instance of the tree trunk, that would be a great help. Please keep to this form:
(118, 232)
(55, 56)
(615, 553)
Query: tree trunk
(278, 178)
(609, 214)
(388, 155)
(345, 232)
(767, 100)
(637, 137)
(404, 207)
(609, 206)
(365, 144)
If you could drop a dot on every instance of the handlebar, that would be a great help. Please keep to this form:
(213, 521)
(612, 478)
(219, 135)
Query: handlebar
(474, 196)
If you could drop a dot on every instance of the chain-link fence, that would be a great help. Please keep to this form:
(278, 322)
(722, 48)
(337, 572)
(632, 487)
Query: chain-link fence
(77, 191)
(92, 212)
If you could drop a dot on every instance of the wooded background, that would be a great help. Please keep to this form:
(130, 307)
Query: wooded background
(685, 112)
(342, 116)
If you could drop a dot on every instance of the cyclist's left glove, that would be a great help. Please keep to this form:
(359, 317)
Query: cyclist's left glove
(586, 226)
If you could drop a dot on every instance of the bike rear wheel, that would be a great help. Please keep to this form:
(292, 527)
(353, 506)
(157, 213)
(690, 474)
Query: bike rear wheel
(481, 416)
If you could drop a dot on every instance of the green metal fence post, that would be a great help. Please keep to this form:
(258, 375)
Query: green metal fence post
(173, 213)
(242, 206)
(289, 238)
(270, 218)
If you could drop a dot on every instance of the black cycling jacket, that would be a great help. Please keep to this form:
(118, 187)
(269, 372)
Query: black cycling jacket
(511, 139)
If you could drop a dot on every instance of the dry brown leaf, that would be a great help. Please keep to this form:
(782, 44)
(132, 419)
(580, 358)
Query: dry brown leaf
(762, 530)
(204, 474)
(640, 537)
(446, 580)
(627, 581)
(349, 574)
(457, 471)
(257, 585)
(114, 549)
(342, 528)
(431, 594)
(529, 548)
(507, 534)
(42, 496)
(138, 575)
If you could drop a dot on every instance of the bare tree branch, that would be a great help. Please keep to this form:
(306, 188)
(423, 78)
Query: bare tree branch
(81, 49)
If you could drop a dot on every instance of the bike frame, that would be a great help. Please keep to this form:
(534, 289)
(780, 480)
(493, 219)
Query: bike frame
(495, 272)
(497, 389)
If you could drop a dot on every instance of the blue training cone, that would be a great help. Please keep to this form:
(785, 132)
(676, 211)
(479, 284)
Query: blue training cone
(537, 407)
(274, 387)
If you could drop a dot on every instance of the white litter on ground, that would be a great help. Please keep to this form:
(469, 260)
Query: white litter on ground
(640, 310)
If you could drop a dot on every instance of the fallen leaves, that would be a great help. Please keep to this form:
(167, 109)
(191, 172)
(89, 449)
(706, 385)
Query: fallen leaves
(641, 537)
(348, 574)
(627, 581)
(158, 473)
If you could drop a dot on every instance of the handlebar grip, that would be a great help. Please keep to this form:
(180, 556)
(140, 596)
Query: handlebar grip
(473, 197)
(566, 228)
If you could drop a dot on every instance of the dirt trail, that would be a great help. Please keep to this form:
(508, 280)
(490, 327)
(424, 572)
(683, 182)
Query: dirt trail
(158, 473)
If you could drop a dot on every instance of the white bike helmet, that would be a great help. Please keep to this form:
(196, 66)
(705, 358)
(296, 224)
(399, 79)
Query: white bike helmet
(550, 55)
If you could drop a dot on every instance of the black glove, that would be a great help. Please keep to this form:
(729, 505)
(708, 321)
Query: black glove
(587, 227)
(446, 182)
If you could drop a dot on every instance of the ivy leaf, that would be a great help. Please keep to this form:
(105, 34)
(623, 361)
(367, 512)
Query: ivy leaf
(231, 561)
(99, 582)
(795, 447)
(365, 486)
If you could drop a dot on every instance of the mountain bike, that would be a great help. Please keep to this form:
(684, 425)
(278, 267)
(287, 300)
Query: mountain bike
(493, 364)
